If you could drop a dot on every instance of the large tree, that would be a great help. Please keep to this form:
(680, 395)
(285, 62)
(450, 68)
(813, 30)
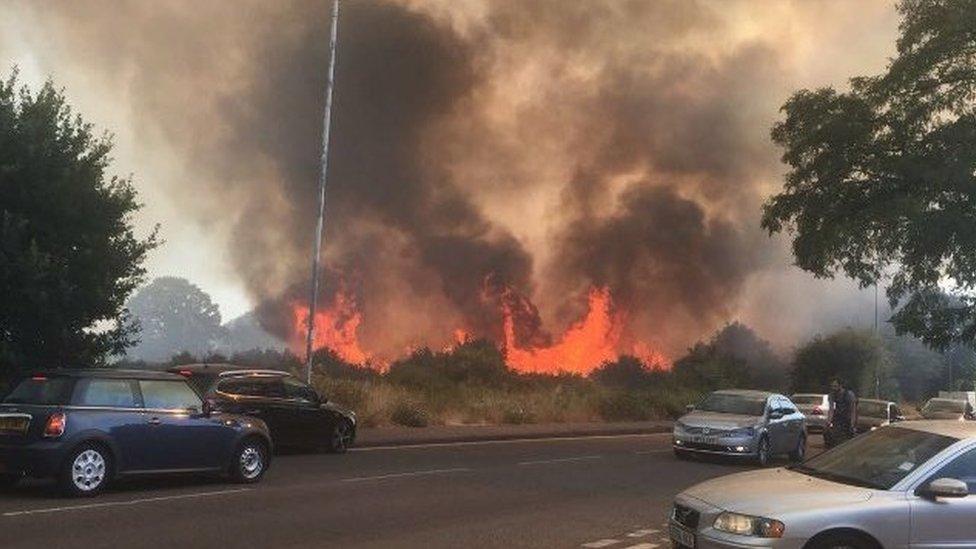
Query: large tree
(69, 256)
(174, 316)
(882, 178)
(857, 357)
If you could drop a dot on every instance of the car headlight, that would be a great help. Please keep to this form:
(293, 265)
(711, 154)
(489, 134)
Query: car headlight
(747, 525)
(744, 432)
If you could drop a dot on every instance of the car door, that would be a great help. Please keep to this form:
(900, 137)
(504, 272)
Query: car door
(111, 406)
(183, 438)
(947, 522)
(794, 421)
(774, 425)
(261, 396)
(312, 424)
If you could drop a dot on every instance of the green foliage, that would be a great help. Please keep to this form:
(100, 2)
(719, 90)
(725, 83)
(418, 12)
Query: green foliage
(883, 177)
(409, 414)
(855, 356)
(69, 256)
(476, 362)
(626, 372)
(173, 316)
(735, 357)
(625, 406)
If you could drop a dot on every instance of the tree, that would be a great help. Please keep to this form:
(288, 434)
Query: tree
(69, 256)
(882, 178)
(174, 316)
(735, 356)
(856, 356)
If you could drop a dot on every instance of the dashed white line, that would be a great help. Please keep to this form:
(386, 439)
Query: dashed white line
(600, 543)
(408, 474)
(643, 546)
(642, 533)
(648, 452)
(559, 460)
(122, 503)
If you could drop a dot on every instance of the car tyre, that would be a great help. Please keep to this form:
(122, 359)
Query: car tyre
(340, 438)
(762, 451)
(250, 461)
(86, 471)
(842, 541)
(800, 451)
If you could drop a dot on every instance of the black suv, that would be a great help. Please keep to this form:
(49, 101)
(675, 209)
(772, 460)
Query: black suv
(86, 427)
(297, 416)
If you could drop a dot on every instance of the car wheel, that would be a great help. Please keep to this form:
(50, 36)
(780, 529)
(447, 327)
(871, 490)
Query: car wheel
(800, 451)
(842, 541)
(250, 462)
(86, 471)
(8, 481)
(341, 437)
(762, 452)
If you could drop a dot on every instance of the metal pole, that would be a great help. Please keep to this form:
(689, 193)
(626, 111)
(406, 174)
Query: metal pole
(877, 368)
(323, 178)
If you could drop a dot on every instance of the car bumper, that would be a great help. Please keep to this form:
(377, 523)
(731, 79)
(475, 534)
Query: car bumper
(730, 446)
(39, 459)
(707, 537)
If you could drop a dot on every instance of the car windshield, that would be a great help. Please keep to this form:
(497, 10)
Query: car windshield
(725, 403)
(941, 405)
(872, 409)
(41, 390)
(878, 459)
(807, 399)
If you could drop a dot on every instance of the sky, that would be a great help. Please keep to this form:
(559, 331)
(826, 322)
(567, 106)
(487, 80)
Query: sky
(538, 147)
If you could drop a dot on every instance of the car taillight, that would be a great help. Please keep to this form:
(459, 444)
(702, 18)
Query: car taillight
(817, 411)
(55, 424)
(186, 373)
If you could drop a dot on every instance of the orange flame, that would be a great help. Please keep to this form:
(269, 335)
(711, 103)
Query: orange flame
(335, 328)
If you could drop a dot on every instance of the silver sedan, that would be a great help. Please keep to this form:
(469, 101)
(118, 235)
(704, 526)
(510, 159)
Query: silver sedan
(899, 486)
(737, 423)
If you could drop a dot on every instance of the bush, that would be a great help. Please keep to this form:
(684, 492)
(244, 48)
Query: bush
(409, 414)
(624, 406)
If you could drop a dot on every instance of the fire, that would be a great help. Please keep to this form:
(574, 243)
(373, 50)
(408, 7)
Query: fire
(582, 348)
(335, 328)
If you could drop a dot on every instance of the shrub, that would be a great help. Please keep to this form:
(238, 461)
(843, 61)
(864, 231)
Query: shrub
(624, 406)
(409, 414)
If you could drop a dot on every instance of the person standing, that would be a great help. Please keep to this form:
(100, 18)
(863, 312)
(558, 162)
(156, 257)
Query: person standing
(842, 416)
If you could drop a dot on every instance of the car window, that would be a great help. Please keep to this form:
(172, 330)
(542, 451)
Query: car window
(962, 468)
(104, 392)
(726, 403)
(253, 386)
(41, 390)
(298, 390)
(878, 459)
(168, 395)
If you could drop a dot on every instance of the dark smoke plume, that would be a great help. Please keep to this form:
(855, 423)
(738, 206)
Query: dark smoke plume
(482, 152)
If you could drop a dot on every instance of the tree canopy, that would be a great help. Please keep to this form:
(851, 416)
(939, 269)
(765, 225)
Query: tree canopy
(882, 178)
(69, 256)
(857, 357)
(174, 316)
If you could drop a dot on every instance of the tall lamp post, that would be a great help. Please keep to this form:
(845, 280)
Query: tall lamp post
(323, 178)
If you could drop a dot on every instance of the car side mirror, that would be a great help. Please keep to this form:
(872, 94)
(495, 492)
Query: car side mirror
(209, 406)
(689, 407)
(945, 488)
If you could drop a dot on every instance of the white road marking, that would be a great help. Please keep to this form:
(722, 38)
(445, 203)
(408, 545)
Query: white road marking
(648, 452)
(600, 543)
(506, 441)
(643, 546)
(408, 474)
(122, 503)
(642, 533)
(558, 460)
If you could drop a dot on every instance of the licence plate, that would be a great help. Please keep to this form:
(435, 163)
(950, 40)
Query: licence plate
(704, 440)
(14, 424)
(682, 537)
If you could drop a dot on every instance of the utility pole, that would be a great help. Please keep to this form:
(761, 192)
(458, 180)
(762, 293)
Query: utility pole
(323, 178)
(877, 367)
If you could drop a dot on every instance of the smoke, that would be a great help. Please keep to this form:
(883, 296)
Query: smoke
(512, 151)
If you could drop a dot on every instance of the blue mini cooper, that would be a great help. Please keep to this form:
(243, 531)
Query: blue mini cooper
(87, 427)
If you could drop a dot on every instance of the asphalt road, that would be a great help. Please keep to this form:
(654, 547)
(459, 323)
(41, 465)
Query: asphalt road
(611, 492)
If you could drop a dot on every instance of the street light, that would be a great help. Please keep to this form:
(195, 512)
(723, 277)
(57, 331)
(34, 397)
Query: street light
(323, 178)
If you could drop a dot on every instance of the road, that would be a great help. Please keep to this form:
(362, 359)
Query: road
(593, 492)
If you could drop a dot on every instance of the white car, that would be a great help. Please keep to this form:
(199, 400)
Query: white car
(905, 485)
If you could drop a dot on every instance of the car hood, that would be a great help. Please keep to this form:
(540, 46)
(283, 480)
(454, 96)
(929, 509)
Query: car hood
(769, 492)
(715, 420)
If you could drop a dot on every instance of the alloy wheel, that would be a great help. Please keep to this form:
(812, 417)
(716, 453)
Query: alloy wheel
(251, 462)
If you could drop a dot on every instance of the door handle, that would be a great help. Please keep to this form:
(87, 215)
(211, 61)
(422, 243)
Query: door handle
(154, 421)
